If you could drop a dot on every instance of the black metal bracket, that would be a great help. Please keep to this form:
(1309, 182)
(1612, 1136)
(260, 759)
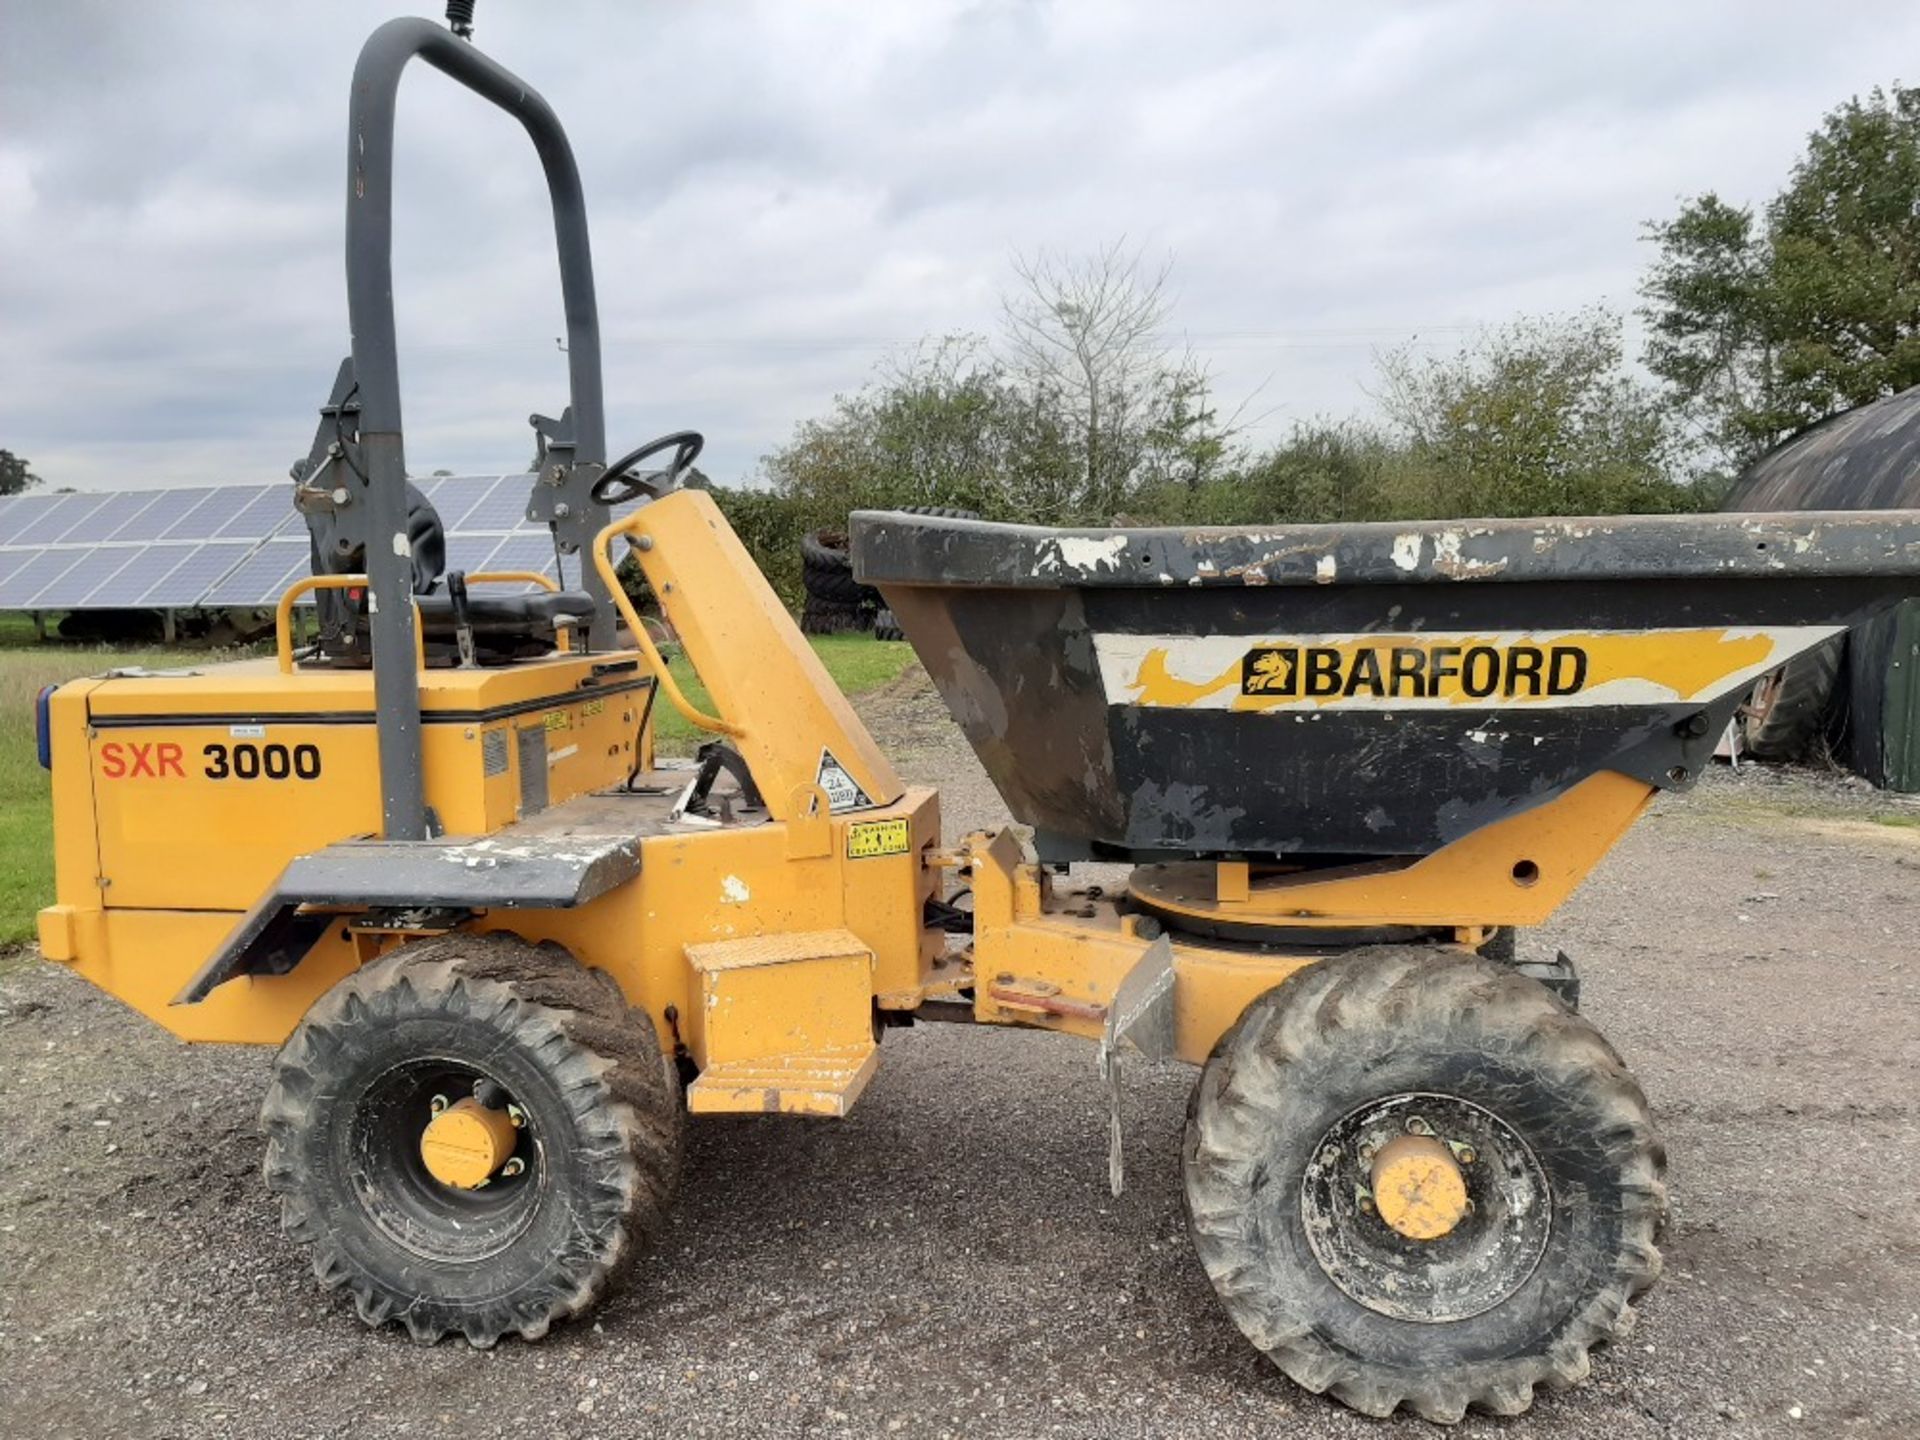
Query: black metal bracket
(562, 496)
(330, 484)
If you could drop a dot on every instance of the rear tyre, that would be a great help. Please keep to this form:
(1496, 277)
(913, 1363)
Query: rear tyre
(885, 627)
(1784, 714)
(1561, 1167)
(596, 1148)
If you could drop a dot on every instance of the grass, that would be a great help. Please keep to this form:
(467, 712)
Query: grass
(26, 820)
(857, 663)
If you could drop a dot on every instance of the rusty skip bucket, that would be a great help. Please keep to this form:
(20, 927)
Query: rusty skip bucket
(1346, 691)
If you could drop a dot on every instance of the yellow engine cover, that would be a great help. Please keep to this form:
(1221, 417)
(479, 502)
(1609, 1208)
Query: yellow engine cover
(205, 784)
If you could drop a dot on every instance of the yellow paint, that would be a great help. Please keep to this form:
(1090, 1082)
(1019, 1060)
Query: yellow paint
(155, 870)
(147, 795)
(639, 933)
(769, 687)
(820, 1087)
(784, 1023)
(1155, 685)
(607, 563)
(143, 957)
(1039, 945)
(1515, 871)
(466, 1143)
(1687, 664)
(59, 927)
(1418, 1188)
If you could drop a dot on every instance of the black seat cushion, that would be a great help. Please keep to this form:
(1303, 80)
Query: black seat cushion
(530, 615)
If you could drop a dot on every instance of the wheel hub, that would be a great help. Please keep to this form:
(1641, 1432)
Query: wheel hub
(1418, 1188)
(466, 1143)
(1425, 1207)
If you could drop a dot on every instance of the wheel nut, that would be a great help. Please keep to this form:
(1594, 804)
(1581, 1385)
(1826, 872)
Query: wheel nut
(514, 1166)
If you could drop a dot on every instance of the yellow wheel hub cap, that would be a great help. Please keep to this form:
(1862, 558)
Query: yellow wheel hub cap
(466, 1143)
(1418, 1188)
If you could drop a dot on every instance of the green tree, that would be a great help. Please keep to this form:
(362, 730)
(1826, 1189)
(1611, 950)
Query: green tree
(1078, 408)
(1763, 324)
(15, 475)
(1537, 417)
(1323, 471)
(942, 425)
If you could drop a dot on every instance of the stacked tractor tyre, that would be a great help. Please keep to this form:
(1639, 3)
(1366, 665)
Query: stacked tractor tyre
(838, 604)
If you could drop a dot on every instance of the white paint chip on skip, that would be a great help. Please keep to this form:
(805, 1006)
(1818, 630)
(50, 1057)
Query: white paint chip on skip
(1078, 551)
(1325, 569)
(1406, 550)
(400, 545)
(733, 891)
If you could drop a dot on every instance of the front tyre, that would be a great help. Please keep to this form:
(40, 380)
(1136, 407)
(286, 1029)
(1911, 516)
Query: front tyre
(473, 1135)
(1414, 1177)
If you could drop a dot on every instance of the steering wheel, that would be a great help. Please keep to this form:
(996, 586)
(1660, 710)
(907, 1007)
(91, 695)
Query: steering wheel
(619, 484)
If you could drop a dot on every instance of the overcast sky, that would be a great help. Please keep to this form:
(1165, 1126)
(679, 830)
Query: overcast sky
(781, 192)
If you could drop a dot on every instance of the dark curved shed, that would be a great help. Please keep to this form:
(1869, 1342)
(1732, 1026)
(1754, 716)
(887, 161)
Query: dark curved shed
(1863, 459)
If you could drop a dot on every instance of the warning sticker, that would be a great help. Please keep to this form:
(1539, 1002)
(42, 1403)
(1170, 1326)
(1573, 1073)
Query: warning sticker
(869, 839)
(843, 791)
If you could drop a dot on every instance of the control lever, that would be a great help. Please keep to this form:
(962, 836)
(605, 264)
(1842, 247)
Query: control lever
(462, 622)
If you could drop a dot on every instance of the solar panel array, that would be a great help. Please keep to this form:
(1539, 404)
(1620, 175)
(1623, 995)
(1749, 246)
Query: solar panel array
(215, 546)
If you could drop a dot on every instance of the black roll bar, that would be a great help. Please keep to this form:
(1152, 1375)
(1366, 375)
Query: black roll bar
(376, 82)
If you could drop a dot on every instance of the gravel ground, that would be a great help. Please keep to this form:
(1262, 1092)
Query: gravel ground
(948, 1261)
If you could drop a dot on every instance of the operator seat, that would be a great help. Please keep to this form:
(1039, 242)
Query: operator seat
(502, 626)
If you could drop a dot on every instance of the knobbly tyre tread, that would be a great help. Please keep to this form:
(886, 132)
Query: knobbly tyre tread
(621, 1094)
(1792, 722)
(1302, 1025)
(827, 572)
(826, 569)
(830, 617)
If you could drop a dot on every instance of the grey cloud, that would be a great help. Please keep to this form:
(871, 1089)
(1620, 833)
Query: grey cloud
(782, 192)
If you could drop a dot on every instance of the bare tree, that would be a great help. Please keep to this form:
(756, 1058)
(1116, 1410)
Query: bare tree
(1084, 334)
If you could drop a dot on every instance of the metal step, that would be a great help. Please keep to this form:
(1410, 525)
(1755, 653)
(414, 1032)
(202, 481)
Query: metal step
(783, 1023)
(824, 1085)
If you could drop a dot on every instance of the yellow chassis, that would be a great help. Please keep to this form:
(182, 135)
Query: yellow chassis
(768, 950)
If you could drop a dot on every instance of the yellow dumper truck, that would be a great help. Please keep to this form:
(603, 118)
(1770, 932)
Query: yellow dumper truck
(430, 855)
